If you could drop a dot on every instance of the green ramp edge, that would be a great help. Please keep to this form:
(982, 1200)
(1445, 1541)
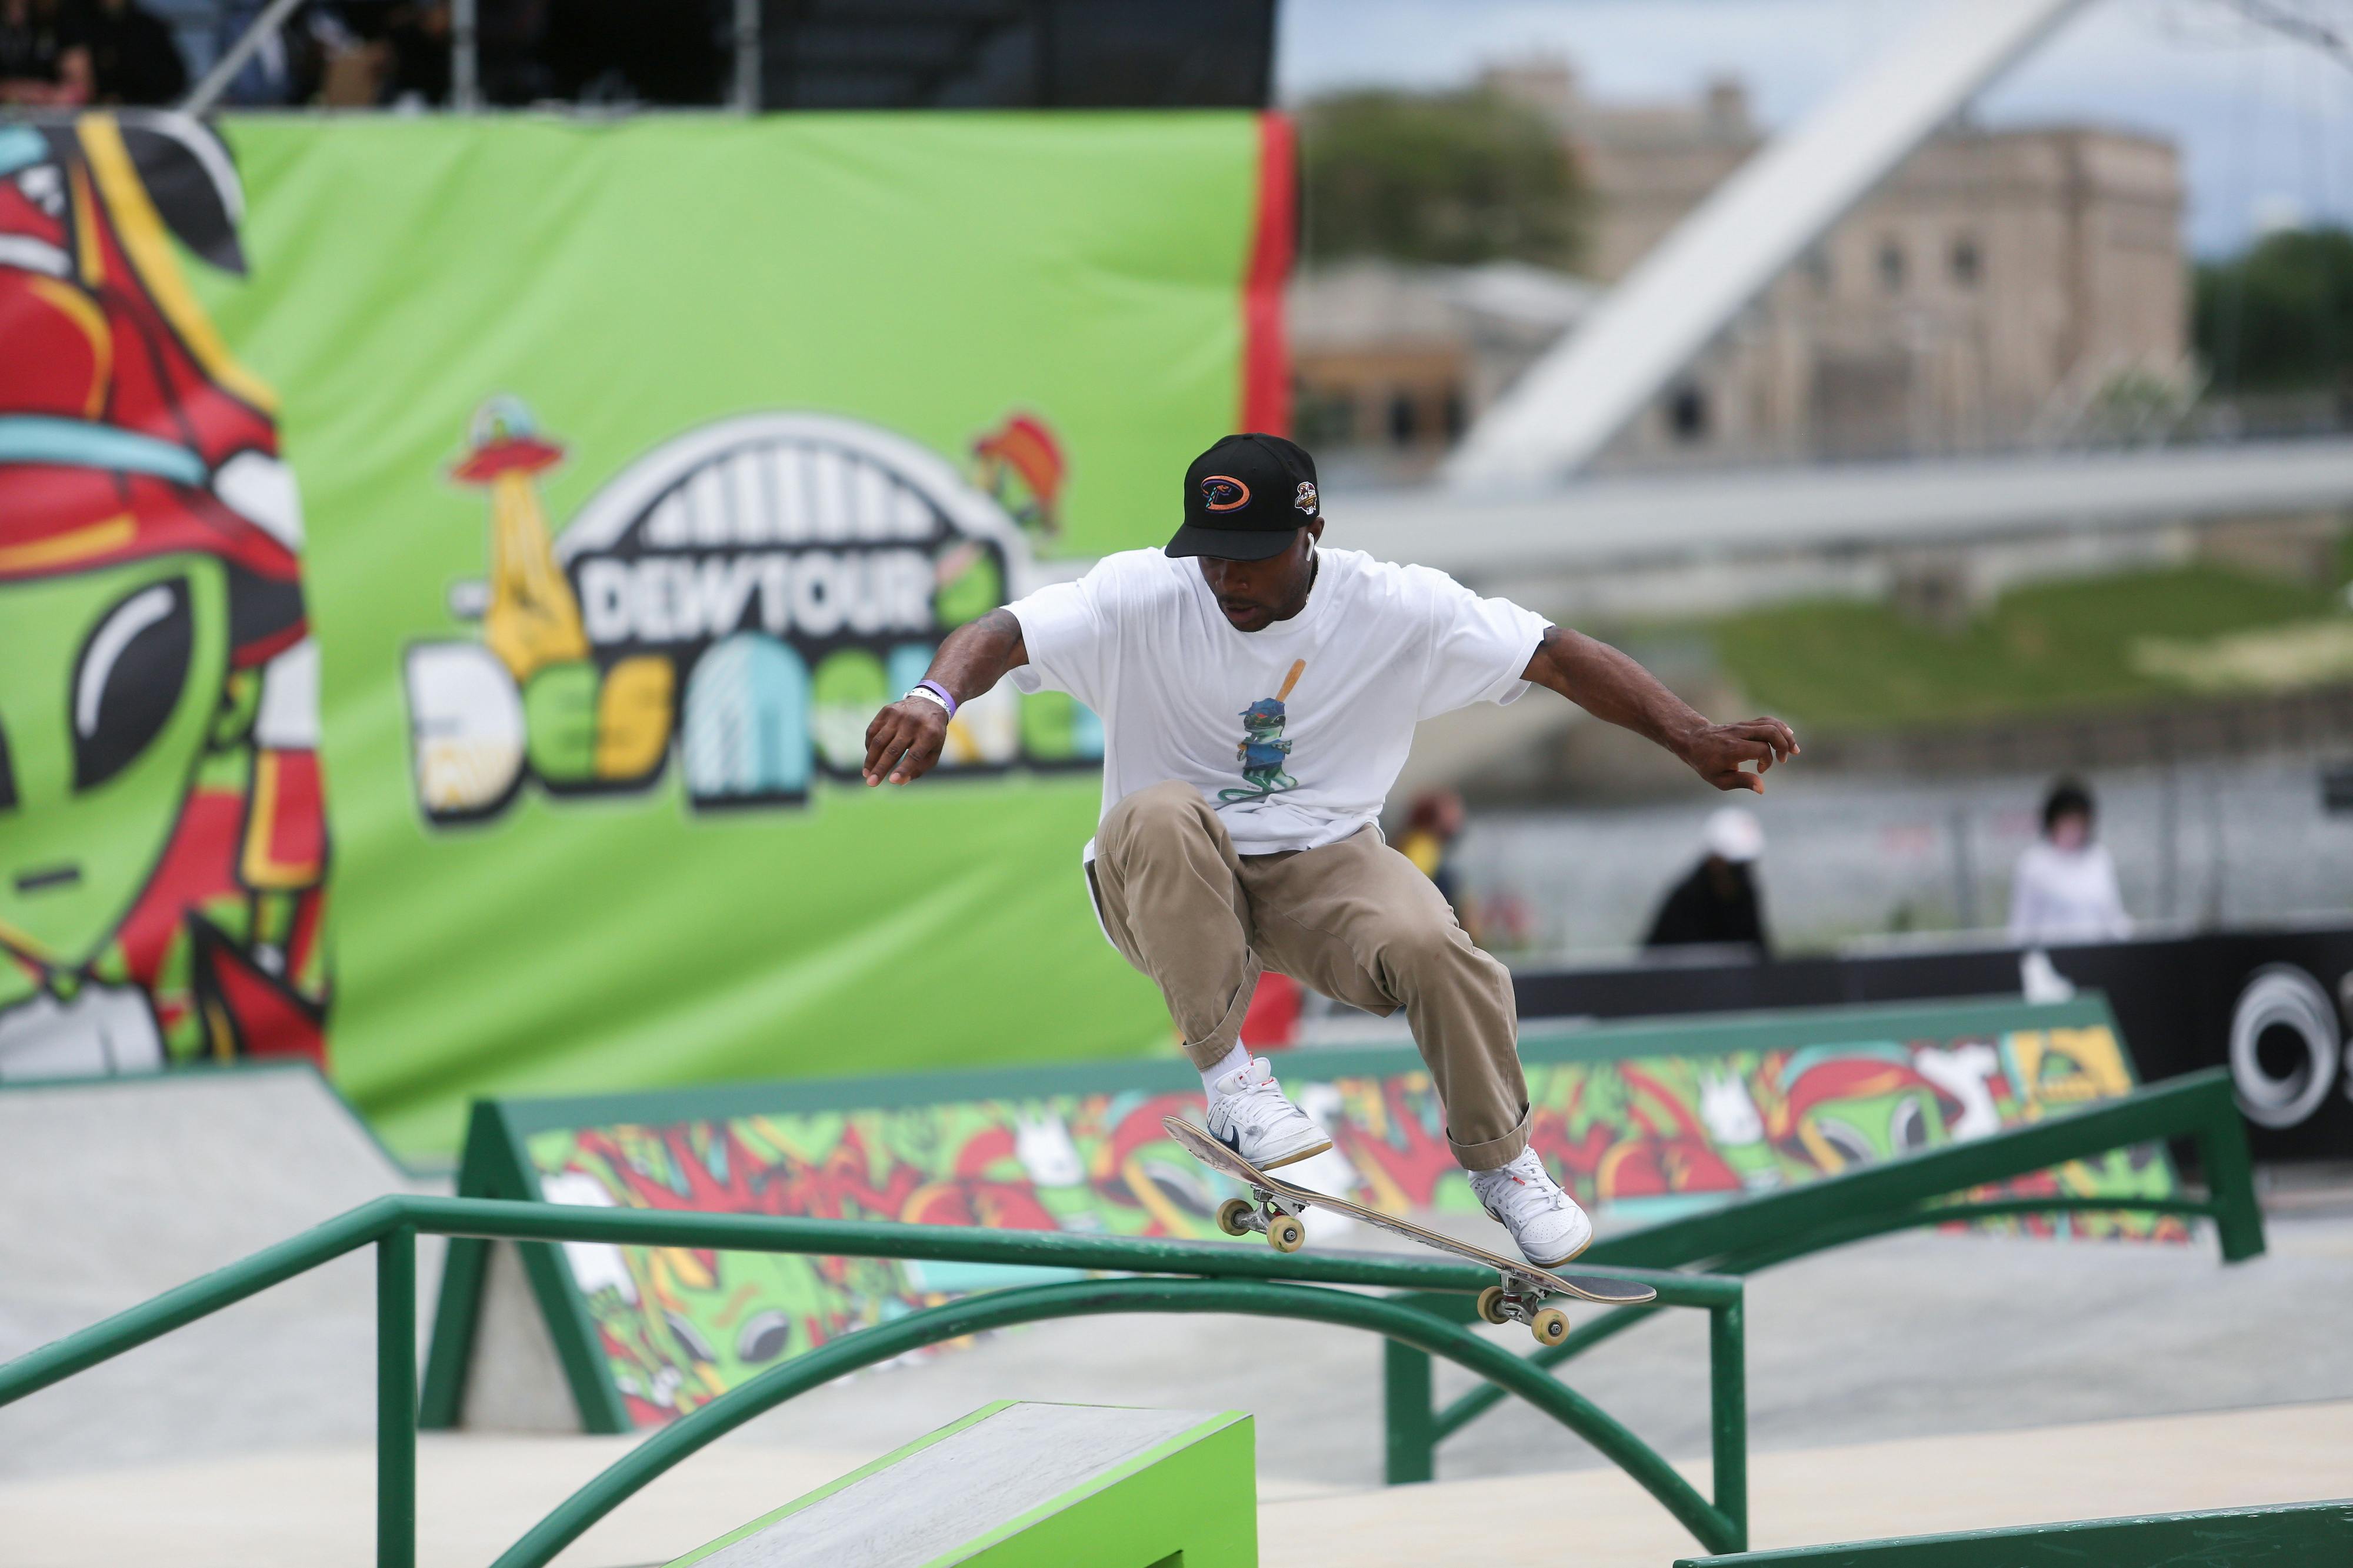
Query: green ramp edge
(1190, 1496)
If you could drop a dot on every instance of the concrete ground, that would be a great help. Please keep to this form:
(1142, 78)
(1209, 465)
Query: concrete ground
(249, 1431)
(1803, 1497)
(477, 1494)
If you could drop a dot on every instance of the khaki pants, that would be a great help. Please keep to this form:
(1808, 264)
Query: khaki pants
(1355, 919)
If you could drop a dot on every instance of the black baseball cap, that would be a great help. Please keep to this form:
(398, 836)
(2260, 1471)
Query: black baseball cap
(1246, 498)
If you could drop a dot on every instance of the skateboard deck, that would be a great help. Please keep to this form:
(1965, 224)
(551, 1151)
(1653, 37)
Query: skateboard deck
(1517, 1296)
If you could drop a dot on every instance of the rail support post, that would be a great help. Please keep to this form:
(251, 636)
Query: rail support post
(1408, 1396)
(2229, 1175)
(1412, 1446)
(396, 1398)
(1727, 1371)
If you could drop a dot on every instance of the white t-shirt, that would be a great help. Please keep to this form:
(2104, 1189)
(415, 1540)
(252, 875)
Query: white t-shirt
(1294, 733)
(2060, 896)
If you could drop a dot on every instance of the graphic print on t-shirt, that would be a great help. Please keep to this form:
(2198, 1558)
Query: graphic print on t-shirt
(1262, 749)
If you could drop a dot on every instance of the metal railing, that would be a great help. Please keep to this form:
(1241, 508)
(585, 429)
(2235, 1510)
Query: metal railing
(1897, 1194)
(1161, 1277)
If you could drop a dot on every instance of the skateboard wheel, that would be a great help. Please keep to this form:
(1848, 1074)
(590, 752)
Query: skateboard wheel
(1490, 1304)
(1285, 1234)
(1549, 1326)
(1234, 1217)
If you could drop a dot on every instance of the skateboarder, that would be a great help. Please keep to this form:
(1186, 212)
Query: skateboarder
(1216, 856)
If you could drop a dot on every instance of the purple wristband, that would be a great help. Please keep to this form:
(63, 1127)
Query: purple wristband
(942, 692)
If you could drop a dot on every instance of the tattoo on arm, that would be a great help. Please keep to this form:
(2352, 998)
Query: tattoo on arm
(976, 655)
(1611, 687)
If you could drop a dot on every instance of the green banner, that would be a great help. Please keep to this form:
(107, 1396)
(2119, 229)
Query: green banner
(640, 463)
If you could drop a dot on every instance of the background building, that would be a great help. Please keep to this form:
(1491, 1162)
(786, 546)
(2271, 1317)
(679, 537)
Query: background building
(2001, 289)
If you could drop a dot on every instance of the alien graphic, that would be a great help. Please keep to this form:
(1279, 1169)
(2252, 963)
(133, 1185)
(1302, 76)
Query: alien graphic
(163, 840)
(1263, 750)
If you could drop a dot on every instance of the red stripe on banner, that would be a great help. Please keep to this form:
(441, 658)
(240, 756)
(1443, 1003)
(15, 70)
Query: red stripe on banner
(1266, 358)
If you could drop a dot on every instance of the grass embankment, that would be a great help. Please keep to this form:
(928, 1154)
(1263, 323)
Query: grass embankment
(2141, 638)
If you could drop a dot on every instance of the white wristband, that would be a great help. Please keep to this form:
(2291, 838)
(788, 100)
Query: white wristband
(930, 696)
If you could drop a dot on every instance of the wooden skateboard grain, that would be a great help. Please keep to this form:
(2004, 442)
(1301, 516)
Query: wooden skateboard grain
(1608, 1291)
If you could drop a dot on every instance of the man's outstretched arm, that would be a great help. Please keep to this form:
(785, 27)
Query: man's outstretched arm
(905, 738)
(1609, 685)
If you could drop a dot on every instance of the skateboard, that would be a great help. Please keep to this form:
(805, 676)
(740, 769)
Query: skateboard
(1273, 1210)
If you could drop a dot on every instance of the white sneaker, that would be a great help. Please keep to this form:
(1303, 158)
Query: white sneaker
(1250, 1114)
(1524, 1200)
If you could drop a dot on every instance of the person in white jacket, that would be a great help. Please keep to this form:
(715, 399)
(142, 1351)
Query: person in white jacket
(2064, 890)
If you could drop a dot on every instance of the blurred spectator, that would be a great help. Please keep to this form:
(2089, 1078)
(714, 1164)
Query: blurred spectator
(513, 35)
(44, 54)
(352, 66)
(1718, 902)
(2066, 887)
(285, 68)
(419, 36)
(133, 58)
(622, 51)
(1431, 825)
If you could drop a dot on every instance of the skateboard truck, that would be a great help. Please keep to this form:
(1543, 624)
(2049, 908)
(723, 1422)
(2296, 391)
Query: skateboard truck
(1269, 1214)
(1517, 1300)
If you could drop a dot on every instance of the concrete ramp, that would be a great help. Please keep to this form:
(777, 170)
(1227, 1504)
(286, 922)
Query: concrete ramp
(1015, 1484)
(123, 1187)
(120, 1188)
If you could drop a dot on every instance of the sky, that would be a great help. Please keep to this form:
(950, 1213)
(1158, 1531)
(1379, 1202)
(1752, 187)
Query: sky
(2265, 124)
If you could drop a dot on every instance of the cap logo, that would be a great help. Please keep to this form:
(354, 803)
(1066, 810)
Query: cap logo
(1305, 499)
(1220, 493)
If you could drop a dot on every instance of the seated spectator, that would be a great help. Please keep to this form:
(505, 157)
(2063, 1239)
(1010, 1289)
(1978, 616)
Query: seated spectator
(44, 55)
(1718, 902)
(2066, 887)
(133, 58)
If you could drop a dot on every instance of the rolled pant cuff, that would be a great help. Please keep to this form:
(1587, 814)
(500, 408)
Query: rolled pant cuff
(1495, 1152)
(1210, 1048)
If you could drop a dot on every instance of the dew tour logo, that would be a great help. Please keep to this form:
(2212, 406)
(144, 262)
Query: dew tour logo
(743, 597)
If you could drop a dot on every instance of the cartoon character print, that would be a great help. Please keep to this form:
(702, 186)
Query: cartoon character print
(1263, 750)
(163, 838)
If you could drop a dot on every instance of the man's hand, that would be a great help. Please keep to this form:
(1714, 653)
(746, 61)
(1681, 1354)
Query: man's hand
(905, 741)
(1715, 752)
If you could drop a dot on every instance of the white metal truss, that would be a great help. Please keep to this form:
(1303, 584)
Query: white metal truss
(1617, 521)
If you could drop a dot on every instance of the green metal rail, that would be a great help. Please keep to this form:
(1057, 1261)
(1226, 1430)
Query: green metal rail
(1895, 1194)
(2284, 1535)
(1191, 1277)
